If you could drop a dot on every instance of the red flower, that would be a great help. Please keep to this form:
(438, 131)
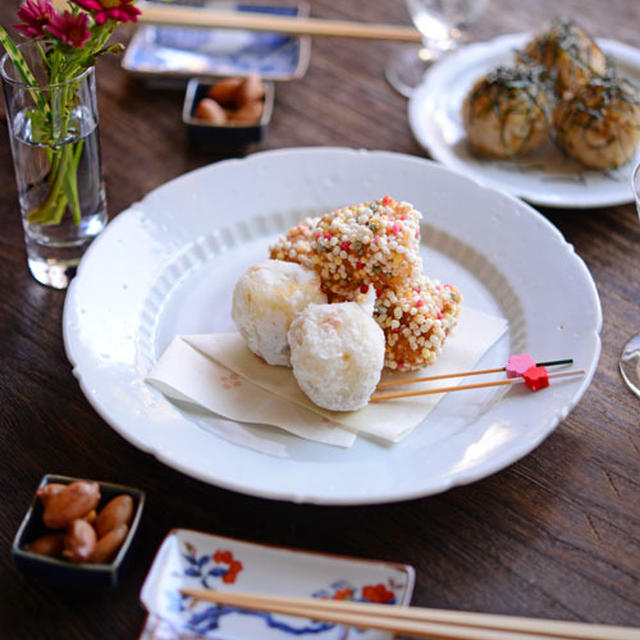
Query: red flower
(378, 593)
(103, 10)
(72, 30)
(35, 14)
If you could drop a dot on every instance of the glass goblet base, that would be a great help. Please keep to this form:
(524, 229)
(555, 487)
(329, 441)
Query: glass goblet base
(629, 364)
(406, 68)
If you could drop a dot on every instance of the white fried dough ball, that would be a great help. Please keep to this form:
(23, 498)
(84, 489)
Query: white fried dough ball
(337, 353)
(266, 299)
(600, 125)
(508, 112)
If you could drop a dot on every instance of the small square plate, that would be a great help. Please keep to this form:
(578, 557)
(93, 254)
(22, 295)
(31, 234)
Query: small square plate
(83, 574)
(200, 560)
(217, 137)
(167, 54)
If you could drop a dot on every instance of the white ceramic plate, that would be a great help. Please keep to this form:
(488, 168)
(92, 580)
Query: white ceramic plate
(190, 559)
(546, 177)
(168, 266)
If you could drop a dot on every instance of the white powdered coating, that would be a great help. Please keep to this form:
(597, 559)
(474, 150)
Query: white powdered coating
(266, 299)
(337, 353)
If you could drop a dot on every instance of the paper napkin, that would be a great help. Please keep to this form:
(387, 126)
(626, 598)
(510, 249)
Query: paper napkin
(219, 373)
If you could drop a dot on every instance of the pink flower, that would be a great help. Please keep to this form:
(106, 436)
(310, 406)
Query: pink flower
(103, 10)
(35, 15)
(72, 30)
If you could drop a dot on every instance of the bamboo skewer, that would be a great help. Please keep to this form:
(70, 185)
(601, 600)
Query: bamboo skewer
(463, 387)
(184, 16)
(419, 622)
(465, 374)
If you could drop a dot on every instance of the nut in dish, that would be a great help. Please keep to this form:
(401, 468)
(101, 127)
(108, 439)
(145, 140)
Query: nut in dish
(95, 525)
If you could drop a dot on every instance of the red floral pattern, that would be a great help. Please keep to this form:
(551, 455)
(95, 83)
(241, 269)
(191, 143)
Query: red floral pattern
(235, 566)
(231, 381)
(377, 593)
(343, 594)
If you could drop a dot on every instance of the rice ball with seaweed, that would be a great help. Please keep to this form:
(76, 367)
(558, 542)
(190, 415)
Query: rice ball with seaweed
(568, 52)
(600, 125)
(509, 111)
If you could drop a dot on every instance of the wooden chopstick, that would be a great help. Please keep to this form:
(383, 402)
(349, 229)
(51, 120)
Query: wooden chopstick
(464, 374)
(209, 18)
(184, 16)
(419, 622)
(462, 387)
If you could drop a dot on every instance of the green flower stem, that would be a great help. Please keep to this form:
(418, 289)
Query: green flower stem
(23, 69)
(71, 181)
(63, 187)
(53, 125)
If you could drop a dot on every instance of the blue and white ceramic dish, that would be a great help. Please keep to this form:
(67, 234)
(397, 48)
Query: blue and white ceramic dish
(166, 53)
(199, 560)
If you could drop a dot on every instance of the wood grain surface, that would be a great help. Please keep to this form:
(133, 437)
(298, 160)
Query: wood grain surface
(556, 534)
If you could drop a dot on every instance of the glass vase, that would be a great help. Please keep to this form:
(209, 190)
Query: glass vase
(55, 144)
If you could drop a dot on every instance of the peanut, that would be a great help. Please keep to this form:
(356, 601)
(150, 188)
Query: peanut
(210, 111)
(116, 512)
(75, 501)
(250, 113)
(79, 542)
(44, 493)
(224, 92)
(108, 545)
(250, 90)
(50, 544)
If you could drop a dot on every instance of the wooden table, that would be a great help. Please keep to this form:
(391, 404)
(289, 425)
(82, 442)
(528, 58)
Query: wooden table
(557, 534)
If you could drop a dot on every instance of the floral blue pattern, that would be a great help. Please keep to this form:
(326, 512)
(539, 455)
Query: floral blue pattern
(200, 618)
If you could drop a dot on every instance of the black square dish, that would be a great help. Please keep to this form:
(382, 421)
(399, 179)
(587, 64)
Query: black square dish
(213, 137)
(57, 569)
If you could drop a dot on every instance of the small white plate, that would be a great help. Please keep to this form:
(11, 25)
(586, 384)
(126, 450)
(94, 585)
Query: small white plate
(190, 559)
(544, 178)
(168, 266)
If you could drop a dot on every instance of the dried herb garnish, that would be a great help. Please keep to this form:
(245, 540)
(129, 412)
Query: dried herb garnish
(568, 52)
(520, 90)
(606, 111)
